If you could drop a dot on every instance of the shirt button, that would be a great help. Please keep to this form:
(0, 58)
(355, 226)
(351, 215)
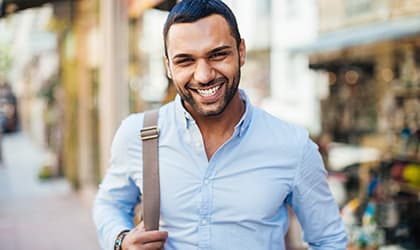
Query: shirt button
(203, 221)
(206, 181)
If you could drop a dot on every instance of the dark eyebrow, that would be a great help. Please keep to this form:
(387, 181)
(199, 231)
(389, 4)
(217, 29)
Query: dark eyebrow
(215, 50)
(182, 55)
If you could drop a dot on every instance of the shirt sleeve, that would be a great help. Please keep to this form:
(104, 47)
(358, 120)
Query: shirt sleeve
(118, 193)
(314, 205)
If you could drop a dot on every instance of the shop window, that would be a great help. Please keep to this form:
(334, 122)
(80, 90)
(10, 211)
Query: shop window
(358, 7)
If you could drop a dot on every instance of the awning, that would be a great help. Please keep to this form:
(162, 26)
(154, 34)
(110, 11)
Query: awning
(136, 8)
(364, 35)
(11, 6)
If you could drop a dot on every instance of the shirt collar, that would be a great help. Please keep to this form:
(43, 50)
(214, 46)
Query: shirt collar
(243, 124)
(185, 118)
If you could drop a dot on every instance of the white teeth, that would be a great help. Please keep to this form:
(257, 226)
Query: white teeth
(208, 92)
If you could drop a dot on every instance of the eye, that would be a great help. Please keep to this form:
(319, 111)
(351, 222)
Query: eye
(218, 56)
(183, 61)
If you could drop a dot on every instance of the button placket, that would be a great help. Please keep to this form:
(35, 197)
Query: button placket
(205, 210)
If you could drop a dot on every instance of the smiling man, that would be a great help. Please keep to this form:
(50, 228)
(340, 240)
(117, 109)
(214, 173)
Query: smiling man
(206, 74)
(203, 60)
(227, 169)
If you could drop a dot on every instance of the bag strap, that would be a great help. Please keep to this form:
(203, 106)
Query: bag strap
(151, 186)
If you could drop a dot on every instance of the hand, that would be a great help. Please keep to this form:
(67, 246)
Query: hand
(140, 239)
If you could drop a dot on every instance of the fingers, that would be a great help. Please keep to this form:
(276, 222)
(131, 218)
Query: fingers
(154, 245)
(148, 240)
(143, 236)
(150, 236)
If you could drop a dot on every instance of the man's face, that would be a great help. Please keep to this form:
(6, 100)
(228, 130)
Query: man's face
(204, 64)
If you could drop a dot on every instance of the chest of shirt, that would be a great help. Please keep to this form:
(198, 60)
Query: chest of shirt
(238, 183)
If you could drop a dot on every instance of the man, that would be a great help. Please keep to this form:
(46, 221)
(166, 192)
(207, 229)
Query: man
(227, 169)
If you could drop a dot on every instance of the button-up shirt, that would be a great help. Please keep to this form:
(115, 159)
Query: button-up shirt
(235, 200)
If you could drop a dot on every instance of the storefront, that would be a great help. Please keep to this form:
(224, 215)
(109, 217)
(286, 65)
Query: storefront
(371, 127)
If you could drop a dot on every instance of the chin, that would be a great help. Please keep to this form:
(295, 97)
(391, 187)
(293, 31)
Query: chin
(211, 112)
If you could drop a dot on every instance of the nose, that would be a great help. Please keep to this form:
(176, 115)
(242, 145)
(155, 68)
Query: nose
(204, 72)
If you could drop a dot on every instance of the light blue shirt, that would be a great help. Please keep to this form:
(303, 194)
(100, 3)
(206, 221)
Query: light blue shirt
(235, 200)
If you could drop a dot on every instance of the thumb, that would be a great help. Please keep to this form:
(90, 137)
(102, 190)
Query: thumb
(140, 227)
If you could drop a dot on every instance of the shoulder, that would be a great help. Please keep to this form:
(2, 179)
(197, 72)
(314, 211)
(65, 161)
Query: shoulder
(127, 134)
(130, 126)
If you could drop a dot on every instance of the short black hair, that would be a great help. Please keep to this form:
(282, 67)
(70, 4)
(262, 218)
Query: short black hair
(188, 11)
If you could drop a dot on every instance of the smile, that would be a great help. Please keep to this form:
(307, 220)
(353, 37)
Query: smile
(208, 92)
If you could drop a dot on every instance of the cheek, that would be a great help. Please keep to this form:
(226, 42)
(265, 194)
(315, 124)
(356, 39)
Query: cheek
(178, 75)
(228, 70)
(182, 74)
(180, 81)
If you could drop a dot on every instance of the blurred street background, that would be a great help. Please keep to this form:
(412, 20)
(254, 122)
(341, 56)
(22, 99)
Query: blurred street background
(71, 70)
(39, 215)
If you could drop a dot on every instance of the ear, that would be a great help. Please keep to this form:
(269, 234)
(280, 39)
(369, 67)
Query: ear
(242, 52)
(168, 69)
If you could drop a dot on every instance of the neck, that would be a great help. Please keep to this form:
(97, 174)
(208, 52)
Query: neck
(216, 130)
(224, 123)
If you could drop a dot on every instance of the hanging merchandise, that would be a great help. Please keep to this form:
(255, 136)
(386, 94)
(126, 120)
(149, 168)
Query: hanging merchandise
(411, 175)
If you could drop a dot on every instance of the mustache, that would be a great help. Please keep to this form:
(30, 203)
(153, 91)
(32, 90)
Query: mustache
(215, 81)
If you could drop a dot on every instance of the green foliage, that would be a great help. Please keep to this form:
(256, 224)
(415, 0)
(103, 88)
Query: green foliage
(47, 91)
(45, 173)
(5, 60)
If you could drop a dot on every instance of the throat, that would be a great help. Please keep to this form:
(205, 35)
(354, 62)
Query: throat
(217, 130)
(212, 143)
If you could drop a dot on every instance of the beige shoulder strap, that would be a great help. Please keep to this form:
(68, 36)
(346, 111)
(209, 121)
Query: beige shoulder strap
(151, 187)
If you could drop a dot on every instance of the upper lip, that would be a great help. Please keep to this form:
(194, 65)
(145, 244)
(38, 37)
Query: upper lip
(208, 88)
(210, 85)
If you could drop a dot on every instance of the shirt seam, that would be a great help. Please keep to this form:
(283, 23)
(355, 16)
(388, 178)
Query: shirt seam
(299, 165)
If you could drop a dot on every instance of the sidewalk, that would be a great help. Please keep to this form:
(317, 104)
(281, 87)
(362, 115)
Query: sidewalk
(39, 215)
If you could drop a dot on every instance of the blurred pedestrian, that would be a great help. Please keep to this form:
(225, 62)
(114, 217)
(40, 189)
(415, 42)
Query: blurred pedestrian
(1, 148)
(8, 109)
(2, 121)
(227, 168)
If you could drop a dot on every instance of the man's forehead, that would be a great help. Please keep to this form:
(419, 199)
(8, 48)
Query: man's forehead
(203, 34)
(203, 25)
